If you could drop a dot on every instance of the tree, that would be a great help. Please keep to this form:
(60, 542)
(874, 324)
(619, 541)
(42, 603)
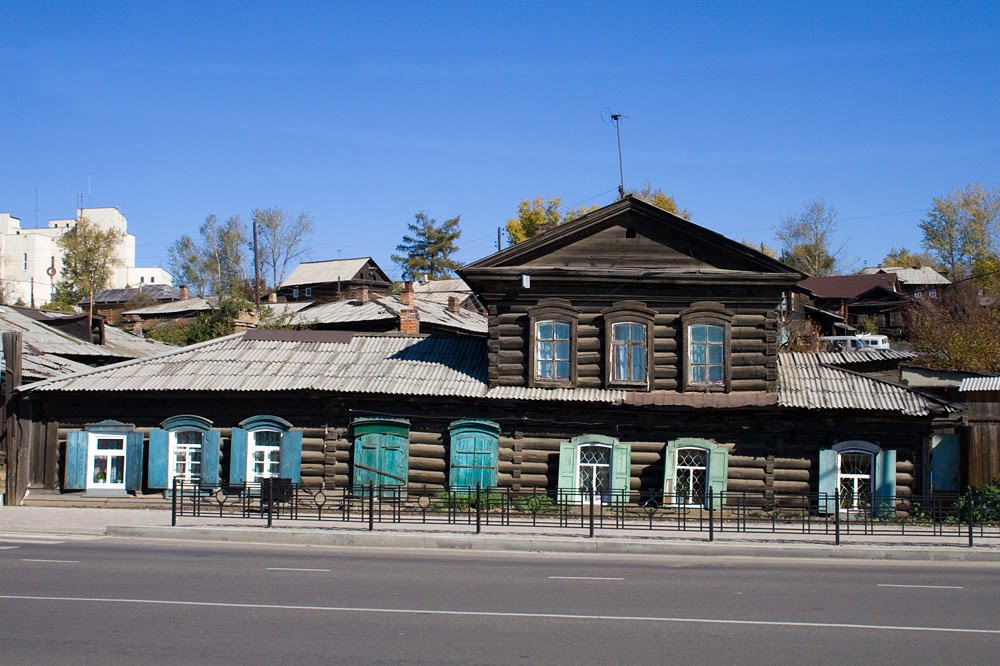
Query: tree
(281, 238)
(960, 230)
(904, 258)
(217, 263)
(427, 249)
(90, 255)
(537, 215)
(956, 332)
(806, 239)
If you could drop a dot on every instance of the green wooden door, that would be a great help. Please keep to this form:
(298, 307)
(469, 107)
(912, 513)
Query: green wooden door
(474, 454)
(381, 460)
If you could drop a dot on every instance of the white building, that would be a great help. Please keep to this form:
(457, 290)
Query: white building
(31, 260)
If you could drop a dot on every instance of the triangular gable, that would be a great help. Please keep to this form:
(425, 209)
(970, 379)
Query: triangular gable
(633, 234)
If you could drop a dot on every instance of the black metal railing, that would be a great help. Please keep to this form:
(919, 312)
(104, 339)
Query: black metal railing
(966, 516)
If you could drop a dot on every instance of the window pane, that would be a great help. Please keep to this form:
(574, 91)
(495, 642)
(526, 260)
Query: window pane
(562, 370)
(638, 363)
(715, 374)
(545, 351)
(117, 474)
(638, 333)
(715, 354)
(561, 330)
(111, 444)
(715, 333)
(267, 438)
(621, 331)
(621, 362)
(562, 350)
(545, 330)
(189, 437)
(698, 374)
(698, 354)
(545, 370)
(699, 333)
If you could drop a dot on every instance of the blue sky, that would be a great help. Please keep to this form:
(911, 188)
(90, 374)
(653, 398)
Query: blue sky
(362, 114)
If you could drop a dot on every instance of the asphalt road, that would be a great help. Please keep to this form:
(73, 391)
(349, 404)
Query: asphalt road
(132, 601)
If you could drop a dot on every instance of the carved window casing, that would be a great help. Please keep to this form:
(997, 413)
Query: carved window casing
(706, 335)
(628, 348)
(552, 340)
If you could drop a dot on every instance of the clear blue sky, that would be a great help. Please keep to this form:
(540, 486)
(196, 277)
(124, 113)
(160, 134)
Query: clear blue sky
(362, 114)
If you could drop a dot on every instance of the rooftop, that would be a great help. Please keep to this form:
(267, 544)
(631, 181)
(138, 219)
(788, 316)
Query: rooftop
(848, 286)
(324, 272)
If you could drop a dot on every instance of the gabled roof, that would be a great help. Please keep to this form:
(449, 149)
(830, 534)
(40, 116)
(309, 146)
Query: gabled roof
(911, 275)
(671, 246)
(178, 307)
(157, 292)
(39, 338)
(387, 308)
(847, 286)
(439, 291)
(331, 271)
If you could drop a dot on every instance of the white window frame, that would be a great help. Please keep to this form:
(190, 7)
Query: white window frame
(92, 452)
(689, 470)
(554, 341)
(585, 492)
(253, 447)
(175, 447)
(630, 346)
(849, 501)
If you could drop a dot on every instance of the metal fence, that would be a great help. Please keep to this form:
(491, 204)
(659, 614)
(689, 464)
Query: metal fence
(968, 516)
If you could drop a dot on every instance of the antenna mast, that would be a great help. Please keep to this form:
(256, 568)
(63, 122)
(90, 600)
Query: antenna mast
(616, 118)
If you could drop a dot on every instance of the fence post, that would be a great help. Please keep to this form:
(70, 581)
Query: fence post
(711, 515)
(591, 512)
(371, 506)
(971, 517)
(270, 500)
(173, 504)
(836, 515)
(479, 508)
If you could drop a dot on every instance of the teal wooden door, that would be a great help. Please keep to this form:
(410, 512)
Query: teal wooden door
(474, 454)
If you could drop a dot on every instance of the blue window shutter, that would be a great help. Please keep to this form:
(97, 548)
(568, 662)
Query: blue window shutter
(718, 473)
(395, 460)
(885, 482)
(945, 463)
(290, 465)
(238, 457)
(365, 459)
(210, 458)
(568, 482)
(621, 459)
(669, 472)
(829, 471)
(158, 465)
(75, 475)
(133, 461)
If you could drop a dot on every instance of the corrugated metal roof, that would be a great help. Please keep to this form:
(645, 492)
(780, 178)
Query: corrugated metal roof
(39, 338)
(320, 272)
(806, 382)
(36, 367)
(131, 346)
(427, 366)
(847, 286)
(343, 312)
(863, 356)
(193, 304)
(439, 291)
(157, 292)
(970, 384)
(922, 275)
(387, 308)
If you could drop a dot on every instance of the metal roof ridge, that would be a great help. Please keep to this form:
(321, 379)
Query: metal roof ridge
(947, 404)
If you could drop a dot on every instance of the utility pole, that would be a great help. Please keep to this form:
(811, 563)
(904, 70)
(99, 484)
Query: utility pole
(616, 118)
(498, 239)
(256, 268)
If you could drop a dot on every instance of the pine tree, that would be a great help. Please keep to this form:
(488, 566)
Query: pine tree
(427, 249)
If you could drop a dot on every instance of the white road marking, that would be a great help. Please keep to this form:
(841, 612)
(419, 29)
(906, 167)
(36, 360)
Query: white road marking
(39, 542)
(291, 569)
(58, 561)
(926, 587)
(582, 578)
(8, 547)
(535, 616)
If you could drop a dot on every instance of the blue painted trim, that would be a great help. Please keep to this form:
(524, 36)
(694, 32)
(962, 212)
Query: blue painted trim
(186, 422)
(266, 422)
(109, 426)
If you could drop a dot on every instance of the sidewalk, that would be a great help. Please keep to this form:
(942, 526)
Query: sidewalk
(150, 524)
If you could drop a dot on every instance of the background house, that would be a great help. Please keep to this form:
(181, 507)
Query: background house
(915, 282)
(856, 298)
(333, 280)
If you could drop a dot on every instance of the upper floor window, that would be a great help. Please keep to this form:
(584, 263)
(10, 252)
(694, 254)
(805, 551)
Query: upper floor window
(706, 333)
(707, 354)
(552, 350)
(628, 350)
(552, 343)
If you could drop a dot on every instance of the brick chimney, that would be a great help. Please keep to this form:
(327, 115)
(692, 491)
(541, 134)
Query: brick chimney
(272, 297)
(453, 304)
(406, 294)
(184, 293)
(409, 321)
(360, 294)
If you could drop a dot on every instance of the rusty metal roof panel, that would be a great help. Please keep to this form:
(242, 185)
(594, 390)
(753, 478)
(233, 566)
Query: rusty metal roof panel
(557, 394)
(970, 384)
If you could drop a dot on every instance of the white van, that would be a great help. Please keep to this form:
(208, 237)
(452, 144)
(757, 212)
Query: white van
(858, 342)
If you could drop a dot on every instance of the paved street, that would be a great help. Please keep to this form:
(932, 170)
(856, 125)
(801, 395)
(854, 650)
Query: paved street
(103, 600)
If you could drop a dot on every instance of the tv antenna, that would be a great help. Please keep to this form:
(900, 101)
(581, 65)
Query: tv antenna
(616, 118)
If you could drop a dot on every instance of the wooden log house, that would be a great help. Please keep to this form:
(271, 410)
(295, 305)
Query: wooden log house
(629, 351)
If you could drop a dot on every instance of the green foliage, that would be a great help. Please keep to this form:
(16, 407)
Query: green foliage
(534, 504)
(658, 198)
(904, 258)
(170, 332)
(960, 230)
(428, 248)
(90, 255)
(206, 326)
(216, 262)
(869, 326)
(983, 502)
(806, 239)
(489, 500)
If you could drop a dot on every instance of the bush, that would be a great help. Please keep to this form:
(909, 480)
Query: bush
(534, 504)
(489, 500)
(984, 504)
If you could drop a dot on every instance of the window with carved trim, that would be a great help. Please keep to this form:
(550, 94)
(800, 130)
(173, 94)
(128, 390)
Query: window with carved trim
(628, 352)
(707, 350)
(628, 327)
(552, 350)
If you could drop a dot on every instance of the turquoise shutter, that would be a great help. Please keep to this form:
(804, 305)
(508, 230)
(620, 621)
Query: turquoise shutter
(75, 476)
(829, 471)
(718, 473)
(621, 458)
(568, 483)
(473, 460)
(885, 483)
(238, 457)
(210, 444)
(945, 463)
(394, 461)
(133, 461)
(365, 459)
(158, 465)
(669, 473)
(290, 465)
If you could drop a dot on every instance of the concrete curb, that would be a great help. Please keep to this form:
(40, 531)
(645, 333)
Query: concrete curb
(532, 543)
